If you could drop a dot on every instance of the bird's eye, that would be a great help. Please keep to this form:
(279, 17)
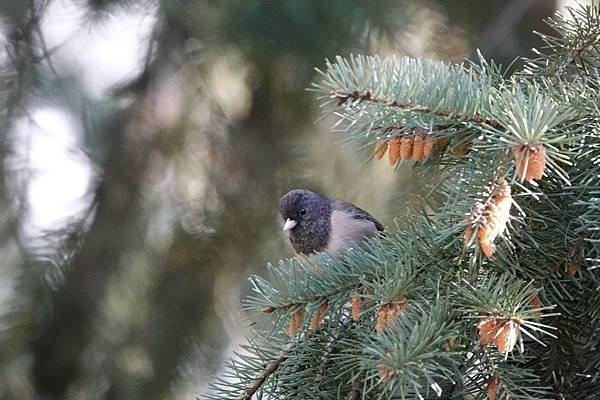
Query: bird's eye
(303, 211)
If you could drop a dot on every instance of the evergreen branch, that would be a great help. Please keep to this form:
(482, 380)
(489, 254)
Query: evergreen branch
(342, 98)
(576, 53)
(569, 257)
(309, 299)
(376, 99)
(332, 346)
(356, 392)
(268, 371)
(576, 40)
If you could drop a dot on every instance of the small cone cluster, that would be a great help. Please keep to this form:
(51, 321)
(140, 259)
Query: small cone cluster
(295, 322)
(417, 146)
(492, 388)
(530, 161)
(572, 268)
(489, 220)
(318, 316)
(356, 306)
(503, 333)
(387, 313)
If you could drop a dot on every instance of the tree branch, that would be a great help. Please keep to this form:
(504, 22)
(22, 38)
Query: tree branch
(342, 97)
(309, 299)
(575, 54)
(268, 371)
(569, 256)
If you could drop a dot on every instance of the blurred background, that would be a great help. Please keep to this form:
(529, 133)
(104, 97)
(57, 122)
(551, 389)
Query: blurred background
(144, 147)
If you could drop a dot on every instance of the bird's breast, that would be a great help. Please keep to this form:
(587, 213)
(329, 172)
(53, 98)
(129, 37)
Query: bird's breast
(309, 238)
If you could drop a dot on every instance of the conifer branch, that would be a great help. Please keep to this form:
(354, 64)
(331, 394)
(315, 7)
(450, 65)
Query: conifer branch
(389, 100)
(569, 257)
(575, 54)
(268, 371)
(309, 299)
(356, 392)
(356, 96)
(332, 346)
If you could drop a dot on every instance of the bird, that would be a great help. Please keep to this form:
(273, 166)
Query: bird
(317, 223)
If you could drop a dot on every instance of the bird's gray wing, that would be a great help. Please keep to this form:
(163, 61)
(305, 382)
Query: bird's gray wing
(356, 212)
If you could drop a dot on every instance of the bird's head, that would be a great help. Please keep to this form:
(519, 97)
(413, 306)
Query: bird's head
(301, 206)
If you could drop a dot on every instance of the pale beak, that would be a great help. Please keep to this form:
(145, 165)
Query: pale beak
(289, 224)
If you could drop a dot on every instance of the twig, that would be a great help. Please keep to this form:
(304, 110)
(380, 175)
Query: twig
(385, 130)
(569, 256)
(575, 54)
(333, 345)
(356, 393)
(309, 299)
(342, 97)
(268, 371)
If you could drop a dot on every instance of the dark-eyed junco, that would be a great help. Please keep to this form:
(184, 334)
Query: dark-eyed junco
(317, 223)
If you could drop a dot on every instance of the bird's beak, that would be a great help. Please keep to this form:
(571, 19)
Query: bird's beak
(289, 224)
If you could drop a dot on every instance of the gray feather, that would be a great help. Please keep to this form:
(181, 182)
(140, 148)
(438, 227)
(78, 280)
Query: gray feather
(356, 212)
(346, 229)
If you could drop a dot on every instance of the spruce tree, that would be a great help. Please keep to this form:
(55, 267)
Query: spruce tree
(488, 287)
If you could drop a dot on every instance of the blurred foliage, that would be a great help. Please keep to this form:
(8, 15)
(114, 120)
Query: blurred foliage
(137, 295)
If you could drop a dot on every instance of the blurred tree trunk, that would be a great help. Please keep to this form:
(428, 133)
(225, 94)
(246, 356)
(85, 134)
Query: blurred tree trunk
(64, 329)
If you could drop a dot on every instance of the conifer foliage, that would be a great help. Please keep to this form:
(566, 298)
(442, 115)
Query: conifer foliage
(490, 287)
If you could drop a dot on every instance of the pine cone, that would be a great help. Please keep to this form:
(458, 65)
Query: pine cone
(315, 321)
(519, 154)
(418, 150)
(537, 305)
(492, 388)
(462, 147)
(393, 310)
(487, 330)
(407, 148)
(380, 148)
(487, 246)
(381, 316)
(385, 373)
(356, 306)
(429, 146)
(318, 316)
(295, 322)
(499, 213)
(491, 218)
(530, 161)
(468, 234)
(508, 336)
(395, 150)
(537, 163)
(442, 144)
